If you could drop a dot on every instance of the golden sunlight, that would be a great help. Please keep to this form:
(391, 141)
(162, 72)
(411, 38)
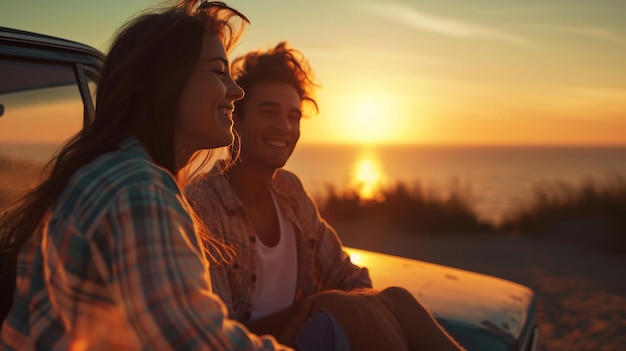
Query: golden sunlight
(369, 122)
(368, 177)
(79, 345)
(356, 258)
(372, 112)
(371, 116)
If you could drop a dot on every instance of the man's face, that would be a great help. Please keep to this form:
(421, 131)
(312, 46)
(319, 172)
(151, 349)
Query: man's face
(270, 128)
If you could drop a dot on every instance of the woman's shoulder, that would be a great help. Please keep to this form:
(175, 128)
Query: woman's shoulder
(119, 170)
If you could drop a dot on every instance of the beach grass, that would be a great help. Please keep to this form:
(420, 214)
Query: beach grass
(593, 211)
(414, 209)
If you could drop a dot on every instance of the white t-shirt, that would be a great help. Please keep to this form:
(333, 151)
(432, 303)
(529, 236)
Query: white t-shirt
(277, 268)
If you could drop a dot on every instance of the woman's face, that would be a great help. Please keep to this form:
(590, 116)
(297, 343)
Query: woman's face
(204, 118)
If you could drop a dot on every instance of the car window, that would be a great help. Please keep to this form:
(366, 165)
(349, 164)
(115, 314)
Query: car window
(92, 88)
(40, 108)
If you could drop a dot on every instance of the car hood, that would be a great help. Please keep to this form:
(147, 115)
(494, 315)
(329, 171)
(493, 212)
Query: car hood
(454, 296)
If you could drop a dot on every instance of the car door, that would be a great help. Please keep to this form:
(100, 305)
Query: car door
(46, 96)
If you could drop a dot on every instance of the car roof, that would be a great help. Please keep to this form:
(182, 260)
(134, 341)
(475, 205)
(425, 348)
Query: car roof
(28, 45)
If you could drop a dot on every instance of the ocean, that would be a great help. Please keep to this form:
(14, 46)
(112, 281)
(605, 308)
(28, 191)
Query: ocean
(496, 178)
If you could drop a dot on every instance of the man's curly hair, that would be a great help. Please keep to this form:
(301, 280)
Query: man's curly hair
(279, 64)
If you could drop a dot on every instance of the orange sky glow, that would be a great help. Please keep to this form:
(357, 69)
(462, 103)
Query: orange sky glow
(423, 72)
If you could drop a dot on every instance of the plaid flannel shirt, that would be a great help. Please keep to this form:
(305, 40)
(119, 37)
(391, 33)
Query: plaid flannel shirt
(322, 263)
(118, 265)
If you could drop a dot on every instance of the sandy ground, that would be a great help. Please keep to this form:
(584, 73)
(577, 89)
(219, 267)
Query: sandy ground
(581, 290)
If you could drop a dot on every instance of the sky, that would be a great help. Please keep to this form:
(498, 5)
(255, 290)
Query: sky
(462, 72)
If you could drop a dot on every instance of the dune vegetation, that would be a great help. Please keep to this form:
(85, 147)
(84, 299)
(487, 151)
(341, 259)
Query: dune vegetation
(414, 209)
(593, 211)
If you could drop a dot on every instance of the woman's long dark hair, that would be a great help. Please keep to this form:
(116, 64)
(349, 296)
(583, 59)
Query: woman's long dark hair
(144, 73)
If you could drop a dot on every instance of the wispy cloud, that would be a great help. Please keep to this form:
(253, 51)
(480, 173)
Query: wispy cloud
(348, 53)
(588, 32)
(421, 20)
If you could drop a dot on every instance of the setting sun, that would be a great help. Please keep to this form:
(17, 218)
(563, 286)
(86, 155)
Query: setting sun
(369, 122)
(369, 117)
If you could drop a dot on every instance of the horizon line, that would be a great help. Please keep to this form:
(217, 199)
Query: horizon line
(444, 144)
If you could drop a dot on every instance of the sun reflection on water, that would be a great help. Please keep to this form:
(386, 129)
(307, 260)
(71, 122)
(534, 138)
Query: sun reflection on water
(368, 177)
